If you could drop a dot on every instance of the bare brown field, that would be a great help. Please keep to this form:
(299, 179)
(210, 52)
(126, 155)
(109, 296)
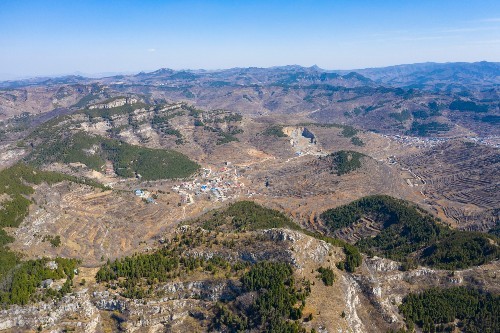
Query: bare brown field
(462, 181)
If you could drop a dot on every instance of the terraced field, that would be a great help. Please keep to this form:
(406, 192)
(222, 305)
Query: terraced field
(366, 227)
(463, 180)
(305, 186)
(93, 225)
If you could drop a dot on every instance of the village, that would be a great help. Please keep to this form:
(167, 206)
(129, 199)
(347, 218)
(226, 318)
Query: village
(415, 141)
(419, 142)
(492, 141)
(216, 184)
(147, 196)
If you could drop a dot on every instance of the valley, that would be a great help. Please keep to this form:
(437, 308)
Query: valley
(192, 201)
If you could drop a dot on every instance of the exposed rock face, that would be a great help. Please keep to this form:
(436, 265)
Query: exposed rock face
(305, 248)
(308, 134)
(384, 285)
(283, 235)
(366, 301)
(114, 103)
(352, 291)
(105, 301)
(180, 301)
(164, 312)
(214, 290)
(303, 140)
(76, 305)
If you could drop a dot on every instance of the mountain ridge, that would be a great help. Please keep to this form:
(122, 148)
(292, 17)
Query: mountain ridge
(383, 74)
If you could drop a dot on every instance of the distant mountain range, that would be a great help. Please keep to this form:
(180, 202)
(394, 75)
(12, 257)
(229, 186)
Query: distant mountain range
(453, 77)
(421, 99)
(436, 76)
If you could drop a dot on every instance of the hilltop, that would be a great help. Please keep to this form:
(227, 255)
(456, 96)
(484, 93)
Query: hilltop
(422, 99)
(201, 200)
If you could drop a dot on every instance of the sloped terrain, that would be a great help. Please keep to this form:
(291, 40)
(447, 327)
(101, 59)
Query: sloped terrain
(401, 231)
(434, 76)
(409, 99)
(462, 179)
(199, 279)
(286, 199)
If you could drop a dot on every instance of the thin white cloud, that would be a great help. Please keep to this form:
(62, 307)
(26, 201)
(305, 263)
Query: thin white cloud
(389, 33)
(490, 20)
(423, 38)
(409, 39)
(151, 50)
(487, 42)
(471, 29)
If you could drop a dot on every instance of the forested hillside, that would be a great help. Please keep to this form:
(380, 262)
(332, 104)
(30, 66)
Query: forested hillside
(409, 232)
(249, 216)
(128, 160)
(20, 280)
(441, 310)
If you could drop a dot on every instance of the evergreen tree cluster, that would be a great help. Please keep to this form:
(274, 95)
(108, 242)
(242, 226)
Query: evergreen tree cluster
(249, 216)
(348, 131)
(274, 130)
(357, 141)
(441, 310)
(278, 303)
(326, 275)
(16, 182)
(491, 119)
(24, 283)
(461, 249)
(345, 161)
(137, 275)
(16, 185)
(401, 116)
(224, 136)
(128, 160)
(211, 120)
(427, 129)
(162, 124)
(460, 105)
(407, 231)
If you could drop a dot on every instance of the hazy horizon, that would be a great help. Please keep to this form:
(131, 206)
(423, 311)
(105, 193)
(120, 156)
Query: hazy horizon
(94, 37)
(109, 74)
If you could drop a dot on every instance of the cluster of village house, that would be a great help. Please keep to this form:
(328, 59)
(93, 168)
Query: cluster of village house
(493, 141)
(146, 195)
(219, 184)
(416, 141)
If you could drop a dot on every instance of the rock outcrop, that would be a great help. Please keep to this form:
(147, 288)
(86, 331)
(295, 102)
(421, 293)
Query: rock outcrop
(77, 306)
(114, 103)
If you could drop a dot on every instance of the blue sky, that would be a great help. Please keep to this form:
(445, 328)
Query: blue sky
(59, 37)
